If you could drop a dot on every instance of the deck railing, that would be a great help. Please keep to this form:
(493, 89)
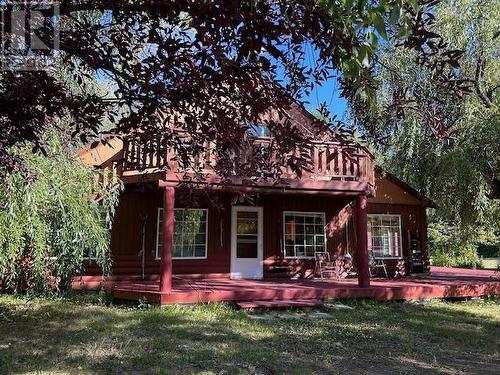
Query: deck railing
(327, 161)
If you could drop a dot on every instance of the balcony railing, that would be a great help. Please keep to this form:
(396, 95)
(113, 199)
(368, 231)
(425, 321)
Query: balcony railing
(326, 161)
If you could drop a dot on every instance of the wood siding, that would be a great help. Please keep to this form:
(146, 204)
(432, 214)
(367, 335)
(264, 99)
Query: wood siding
(413, 218)
(126, 236)
(142, 200)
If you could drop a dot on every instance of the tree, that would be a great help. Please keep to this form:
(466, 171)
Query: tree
(52, 215)
(446, 145)
(212, 68)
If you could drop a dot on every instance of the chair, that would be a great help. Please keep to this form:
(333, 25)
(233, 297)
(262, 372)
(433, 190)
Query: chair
(324, 266)
(374, 264)
(417, 262)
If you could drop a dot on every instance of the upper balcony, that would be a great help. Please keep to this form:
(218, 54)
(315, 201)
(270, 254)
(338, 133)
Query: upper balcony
(327, 167)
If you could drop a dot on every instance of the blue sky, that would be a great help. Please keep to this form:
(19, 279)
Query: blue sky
(328, 92)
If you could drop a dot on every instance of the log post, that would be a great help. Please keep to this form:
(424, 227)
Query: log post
(167, 239)
(362, 241)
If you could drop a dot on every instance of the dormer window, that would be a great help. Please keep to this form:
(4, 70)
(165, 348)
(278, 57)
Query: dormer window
(259, 130)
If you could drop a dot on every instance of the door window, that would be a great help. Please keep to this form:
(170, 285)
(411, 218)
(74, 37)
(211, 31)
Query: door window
(247, 234)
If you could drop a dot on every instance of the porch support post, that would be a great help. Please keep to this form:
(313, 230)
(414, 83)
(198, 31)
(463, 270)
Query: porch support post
(167, 239)
(362, 242)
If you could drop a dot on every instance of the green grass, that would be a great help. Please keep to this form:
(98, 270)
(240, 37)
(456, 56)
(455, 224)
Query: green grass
(83, 337)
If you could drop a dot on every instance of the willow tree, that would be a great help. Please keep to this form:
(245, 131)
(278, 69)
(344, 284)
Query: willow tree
(446, 145)
(53, 214)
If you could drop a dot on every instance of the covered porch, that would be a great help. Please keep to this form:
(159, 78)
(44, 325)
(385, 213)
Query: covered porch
(252, 239)
(442, 283)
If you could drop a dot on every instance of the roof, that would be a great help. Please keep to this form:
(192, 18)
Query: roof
(101, 153)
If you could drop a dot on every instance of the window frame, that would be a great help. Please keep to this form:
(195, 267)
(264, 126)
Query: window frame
(257, 126)
(305, 213)
(160, 212)
(400, 219)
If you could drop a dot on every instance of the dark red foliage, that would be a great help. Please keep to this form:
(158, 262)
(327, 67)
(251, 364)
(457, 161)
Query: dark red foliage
(207, 68)
(210, 68)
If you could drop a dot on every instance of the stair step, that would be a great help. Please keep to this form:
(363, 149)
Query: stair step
(279, 303)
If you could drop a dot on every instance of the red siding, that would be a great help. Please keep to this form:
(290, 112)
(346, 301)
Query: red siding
(275, 205)
(126, 233)
(126, 236)
(413, 218)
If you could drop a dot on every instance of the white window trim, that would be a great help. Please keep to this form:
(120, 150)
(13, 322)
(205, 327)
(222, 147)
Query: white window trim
(305, 213)
(400, 234)
(160, 212)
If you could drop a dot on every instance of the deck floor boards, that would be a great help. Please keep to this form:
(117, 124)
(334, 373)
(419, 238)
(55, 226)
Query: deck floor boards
(442, 283)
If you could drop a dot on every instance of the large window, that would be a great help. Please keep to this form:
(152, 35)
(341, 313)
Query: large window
(190, 233)
(384, 236)
(304, 234)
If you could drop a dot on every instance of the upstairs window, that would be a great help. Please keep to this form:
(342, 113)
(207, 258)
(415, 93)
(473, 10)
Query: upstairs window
(304, 234)
(190, 233)
(259, 130)
(384, 236)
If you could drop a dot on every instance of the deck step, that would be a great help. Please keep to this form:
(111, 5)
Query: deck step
(278, 304)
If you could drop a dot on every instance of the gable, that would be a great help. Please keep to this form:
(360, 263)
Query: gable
(301, 119)
(102, 153)
(390, 190)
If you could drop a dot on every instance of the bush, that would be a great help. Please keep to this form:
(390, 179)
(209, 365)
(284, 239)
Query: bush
(52, 215)
(488, 250)
(462, 256)
(450, 247)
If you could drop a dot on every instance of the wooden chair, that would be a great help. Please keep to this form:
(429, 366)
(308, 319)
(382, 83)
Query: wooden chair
(374, 264)
(324, 266)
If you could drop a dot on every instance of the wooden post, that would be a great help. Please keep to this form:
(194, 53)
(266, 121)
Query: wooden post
(168, 240)
(362, 241)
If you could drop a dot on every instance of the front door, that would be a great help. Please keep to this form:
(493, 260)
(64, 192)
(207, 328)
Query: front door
(246, 242)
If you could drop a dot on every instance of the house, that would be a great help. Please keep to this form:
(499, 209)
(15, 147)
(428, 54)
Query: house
(344, 206)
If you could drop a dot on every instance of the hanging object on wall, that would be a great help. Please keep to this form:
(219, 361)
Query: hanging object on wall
(221, 233)
(142, 252)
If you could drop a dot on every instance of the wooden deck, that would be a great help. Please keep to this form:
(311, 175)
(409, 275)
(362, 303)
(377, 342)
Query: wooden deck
(442, 283)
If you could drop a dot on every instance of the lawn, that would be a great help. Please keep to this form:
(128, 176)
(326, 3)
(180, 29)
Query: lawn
(86, 337)
(489, 263)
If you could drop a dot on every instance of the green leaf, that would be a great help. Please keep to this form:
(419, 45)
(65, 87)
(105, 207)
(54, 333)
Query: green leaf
(372, 39)
(414, 4)
(364, 56)
(395, 14)
(379, 24)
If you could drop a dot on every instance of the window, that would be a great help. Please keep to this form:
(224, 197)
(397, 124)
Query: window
(247, 234)
(304, 234)
(190, 233)
(259, 130)
(384, 236)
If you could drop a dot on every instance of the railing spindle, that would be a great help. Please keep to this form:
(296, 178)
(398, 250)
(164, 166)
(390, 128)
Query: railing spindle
(327, 158)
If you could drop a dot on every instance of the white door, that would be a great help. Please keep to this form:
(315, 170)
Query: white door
(246, 243)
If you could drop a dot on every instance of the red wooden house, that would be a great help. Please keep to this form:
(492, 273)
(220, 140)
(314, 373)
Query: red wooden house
(343, 206)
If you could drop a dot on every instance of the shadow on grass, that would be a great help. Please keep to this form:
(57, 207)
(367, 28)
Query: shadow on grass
(373, 338)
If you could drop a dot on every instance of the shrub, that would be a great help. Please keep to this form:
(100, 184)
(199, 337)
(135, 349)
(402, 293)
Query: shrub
(50, 219)
(450, 247)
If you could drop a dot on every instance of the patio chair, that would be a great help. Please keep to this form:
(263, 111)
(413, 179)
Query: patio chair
(374, 264)
(324, 266)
